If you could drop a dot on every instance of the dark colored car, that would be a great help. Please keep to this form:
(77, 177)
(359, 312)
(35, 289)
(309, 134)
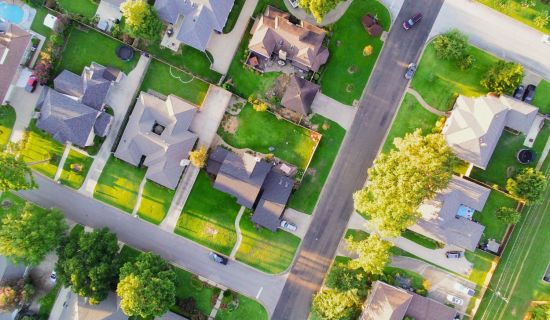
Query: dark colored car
(412, 21)
(410, 71)
(453, 254)
(529, 93)
(218, 258)
(518, 93)
(31, 83)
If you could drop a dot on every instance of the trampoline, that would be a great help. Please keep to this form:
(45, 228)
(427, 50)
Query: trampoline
(525, 156)
(125, 53)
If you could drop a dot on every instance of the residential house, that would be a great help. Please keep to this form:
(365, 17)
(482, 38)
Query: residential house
(157, 136)
(448, 217)
(256, 184)
(273, 34)
(108, 13)
(299, 95)
(387, 302)
(74, 110)
(10, 272)
(14, 49)
(476, 124)
(192, 22)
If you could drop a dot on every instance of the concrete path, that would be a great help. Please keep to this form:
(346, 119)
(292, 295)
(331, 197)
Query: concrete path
(120, 98)
(223, 46)
(139, 197)
(334, 110)
(180, 197)
(214, 311)
(544, 154)
(301, 220)
(62, 161)
(239, 234)
(23, 103)
(424, 104)
(329, 18)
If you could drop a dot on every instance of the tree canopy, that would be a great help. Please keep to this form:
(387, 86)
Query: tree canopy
(319, 8)
(373, 254)
(15, 174)
(141, 19)
(88, 263)
(330, 304)
(198, 157)
(503, 77)
(529, 185)
(451, 45)
(508, 215)
(27, 236)
(146, 286)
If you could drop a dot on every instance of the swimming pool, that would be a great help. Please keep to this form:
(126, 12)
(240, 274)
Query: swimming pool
(11, 13)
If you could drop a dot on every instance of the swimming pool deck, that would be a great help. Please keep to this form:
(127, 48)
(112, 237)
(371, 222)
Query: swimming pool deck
(28, 13)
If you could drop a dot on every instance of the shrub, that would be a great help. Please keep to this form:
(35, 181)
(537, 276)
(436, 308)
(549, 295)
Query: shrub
(542, 19)
(507, 215)
(529, 185)
(451, 45)
(466, 62)
(503, 77)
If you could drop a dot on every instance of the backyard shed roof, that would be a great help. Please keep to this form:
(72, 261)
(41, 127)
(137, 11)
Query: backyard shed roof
(299, 95)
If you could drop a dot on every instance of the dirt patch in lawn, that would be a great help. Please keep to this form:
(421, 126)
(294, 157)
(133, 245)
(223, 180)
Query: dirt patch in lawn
(230, 124)
(278, 89)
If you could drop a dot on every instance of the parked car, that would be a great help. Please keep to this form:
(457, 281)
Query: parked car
(218, 258)
(518, 93)
(411, 69)
(53, 277)
(288, 225)
(407, 25)
(455, 300)
(546, 39)
(453, 254)
(529, 93)
(462, 288)
(293, 3)
(31, 84)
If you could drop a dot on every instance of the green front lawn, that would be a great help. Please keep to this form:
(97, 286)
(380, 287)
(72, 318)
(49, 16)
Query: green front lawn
(155, 202)
(504, 163)
(233, 16)
(40, 149)
(347, 70)
(494, 228)
(16, 204)
(271, 252)
(189, 286)
(421, 240)
(542, 97)
(482, 262)
(411, 115)
(260, 131)
(7, 120)
(248, 309)
(305, 198)
(86, 8)
(516, 10)
(118, 184)
(86, 46)
(70, 177)
(164, 79)
(209, 216)
(439, 80)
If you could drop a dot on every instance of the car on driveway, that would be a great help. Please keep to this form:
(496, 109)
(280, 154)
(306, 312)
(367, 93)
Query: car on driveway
(411, 69)
(218, 258)
(453, 254)
(463, 289)
(414, 20)
(546, 39)
(288, 225)
(529, 93)
(518, 93)
(31, 84)
(455, 300)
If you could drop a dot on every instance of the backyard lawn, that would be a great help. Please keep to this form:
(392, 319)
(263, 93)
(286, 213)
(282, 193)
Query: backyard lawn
(72, 178)
(542, 97)
(503, 163)
(86, 46)
(38, 22)
(305, 198)
(38, 148)
(268, 251)
(261, 131)
(494, 228)
(162, 78)
(7, 120)
(439, 80)
(155, 202)
(516, 10)
(209, 217)
(118, 184)
(410, 116)
(86, 8)
(347, 70)
(248, 309)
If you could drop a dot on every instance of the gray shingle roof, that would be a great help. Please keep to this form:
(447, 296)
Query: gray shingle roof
(69, 83)
(13, 44)
(299, 95)
(102, 124)
(215, 160)
(275, 193)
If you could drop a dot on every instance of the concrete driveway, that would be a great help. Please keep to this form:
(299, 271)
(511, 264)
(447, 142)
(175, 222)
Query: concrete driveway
(333, 110)
(24, 103)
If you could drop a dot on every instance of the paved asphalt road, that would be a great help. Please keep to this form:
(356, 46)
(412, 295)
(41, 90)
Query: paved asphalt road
(377, 109)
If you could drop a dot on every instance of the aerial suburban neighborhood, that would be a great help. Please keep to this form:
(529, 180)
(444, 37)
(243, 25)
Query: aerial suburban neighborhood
(275, 159)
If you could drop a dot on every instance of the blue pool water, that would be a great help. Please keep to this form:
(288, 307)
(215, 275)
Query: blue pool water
(11, 13)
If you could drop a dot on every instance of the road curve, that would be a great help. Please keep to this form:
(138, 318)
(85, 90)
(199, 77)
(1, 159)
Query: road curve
(378, 105)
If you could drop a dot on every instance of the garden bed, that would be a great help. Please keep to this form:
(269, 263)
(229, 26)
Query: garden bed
(248, 309)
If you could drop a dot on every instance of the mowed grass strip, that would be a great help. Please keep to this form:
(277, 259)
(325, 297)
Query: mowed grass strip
(42, 151)
(118, 184)
(347, 69)
(542, 97)
(86, 8)
(209, 217)
(517, 10)
(494, 228)
(70, 177)
(248, 309)
(155, 202)
(305, 197)
(268, 251)
(7, 120)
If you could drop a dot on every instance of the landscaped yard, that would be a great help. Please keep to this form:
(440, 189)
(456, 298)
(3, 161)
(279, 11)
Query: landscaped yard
(75, 178)
(118, 184)
(86, 8)
(41, 151)
(421, 240)
(516, 10)
(86, 46)
(271, 252)
(162, 78)
(503, 163)
(248, 309)
(305, 198)
(411, 115)
(494, 228)
(155, 202)
(542, 97)
(347, 70)
(7, 120)
(261, 131)
(209, 217)
(438, 81)
(189, 286)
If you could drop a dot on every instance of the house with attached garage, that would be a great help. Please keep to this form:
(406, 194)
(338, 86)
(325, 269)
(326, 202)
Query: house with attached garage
(14, 49)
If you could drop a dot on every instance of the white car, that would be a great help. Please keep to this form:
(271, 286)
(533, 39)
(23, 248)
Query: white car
(294, 3)
(53, 277)
(462, 288)
(546, 39)
(288, 225)
(455, 300)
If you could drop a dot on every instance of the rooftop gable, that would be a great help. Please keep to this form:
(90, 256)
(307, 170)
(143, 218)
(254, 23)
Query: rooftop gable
(13, 46)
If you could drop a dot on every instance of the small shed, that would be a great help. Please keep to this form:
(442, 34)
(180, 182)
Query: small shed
(493, 246)
(50, 21)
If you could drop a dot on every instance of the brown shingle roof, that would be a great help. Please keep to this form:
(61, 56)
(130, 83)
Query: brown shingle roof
(13, 44)
(299, 95)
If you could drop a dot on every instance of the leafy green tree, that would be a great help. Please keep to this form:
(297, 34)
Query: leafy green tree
(141, 19)
(508, 215)
(541, 312)
(342, 277)
(452, 45)
(529, 185)
(330, 304)
(319, 8)
(503, 77)
(198, 157)
(88, 263)
(16, 294)
(399, 181)
(542, 19)
(15, 174)
(373, 254)
(146, 286)
(27, 236)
